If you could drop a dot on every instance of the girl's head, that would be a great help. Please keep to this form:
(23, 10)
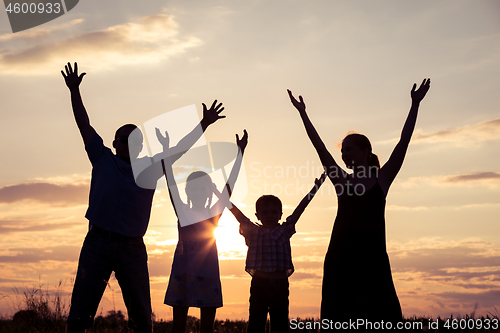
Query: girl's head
(357, 151)
(199, 189)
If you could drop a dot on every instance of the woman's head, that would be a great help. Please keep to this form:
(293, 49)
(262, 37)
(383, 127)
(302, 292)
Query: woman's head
(199, 189)
(357, 151)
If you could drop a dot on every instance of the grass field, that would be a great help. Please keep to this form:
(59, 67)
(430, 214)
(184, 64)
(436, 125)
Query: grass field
(39, 311)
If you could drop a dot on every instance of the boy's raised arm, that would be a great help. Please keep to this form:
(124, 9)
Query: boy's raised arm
(238, 214)
(305, 201)
(81, 117)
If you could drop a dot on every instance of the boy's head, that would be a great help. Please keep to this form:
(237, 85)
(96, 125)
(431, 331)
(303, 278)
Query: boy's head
(269, 210)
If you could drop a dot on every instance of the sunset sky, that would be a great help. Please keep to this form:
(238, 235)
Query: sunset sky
(354, 62)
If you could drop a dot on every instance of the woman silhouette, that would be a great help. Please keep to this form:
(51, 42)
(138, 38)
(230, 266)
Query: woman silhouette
(357, 280)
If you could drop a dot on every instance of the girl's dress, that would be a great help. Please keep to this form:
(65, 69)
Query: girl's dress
(357, 280)
(195, 278)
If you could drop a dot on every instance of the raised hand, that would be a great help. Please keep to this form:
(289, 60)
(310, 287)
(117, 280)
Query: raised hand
(165, 141)
(300, 106)
(71, 77)
(211, 115)
(243, 142)
(419, 94)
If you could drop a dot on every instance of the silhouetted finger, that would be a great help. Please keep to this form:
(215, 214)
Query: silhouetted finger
(213, 104)
(76, 68)
(64, 75)
(219, 111)
(204, 107)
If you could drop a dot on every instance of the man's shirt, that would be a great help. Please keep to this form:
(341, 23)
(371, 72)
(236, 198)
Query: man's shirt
(116, 203)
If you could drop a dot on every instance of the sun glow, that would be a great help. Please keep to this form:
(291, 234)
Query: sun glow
(230, 244)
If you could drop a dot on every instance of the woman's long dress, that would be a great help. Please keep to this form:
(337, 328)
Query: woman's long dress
(357, 280)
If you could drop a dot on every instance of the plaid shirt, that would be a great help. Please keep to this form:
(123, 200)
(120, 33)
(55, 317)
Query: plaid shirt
(268, 248)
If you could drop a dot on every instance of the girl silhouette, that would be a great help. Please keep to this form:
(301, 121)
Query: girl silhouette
(357, 280)
(194, 278)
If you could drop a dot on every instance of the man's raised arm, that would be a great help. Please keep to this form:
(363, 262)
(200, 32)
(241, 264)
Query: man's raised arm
(210, 116)
(147, 178)
(81, 117)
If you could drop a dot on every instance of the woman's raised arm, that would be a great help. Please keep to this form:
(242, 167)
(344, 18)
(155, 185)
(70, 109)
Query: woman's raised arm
(391, 168)
(333, 170)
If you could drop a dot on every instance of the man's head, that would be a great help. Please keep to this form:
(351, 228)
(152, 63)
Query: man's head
(269, 210)
(128, 142)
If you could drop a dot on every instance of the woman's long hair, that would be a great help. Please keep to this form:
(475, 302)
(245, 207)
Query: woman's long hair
(362, 142)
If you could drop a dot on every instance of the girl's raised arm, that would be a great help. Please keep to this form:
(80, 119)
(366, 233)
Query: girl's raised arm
(391, 168)
(223, 201)
(333, 170)
(173, 191)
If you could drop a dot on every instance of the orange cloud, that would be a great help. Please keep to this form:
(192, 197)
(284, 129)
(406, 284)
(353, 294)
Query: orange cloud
(46, 193)
(473, 176)
(150, 40)
(465, 135)
(49, 253)
(13, 226)
(489, 179)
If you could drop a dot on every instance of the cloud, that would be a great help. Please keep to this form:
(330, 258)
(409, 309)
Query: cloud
(466, 264)
(463, 136)
(46, 193)
(32, 34)
(305, 276)
(485, 299)
(436, 277)
(489, 179)
(13, 226)
(150, 40)
(473, 176)
(36, 255)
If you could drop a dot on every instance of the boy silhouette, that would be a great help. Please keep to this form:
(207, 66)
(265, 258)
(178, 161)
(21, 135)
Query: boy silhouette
(269, 259)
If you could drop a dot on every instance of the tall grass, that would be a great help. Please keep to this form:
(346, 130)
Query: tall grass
(38, 310)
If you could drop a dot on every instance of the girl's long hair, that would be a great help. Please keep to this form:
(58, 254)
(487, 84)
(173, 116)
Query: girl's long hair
(206, 181)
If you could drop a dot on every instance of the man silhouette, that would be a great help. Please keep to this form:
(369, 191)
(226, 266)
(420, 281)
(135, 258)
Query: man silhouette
(118, 215)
